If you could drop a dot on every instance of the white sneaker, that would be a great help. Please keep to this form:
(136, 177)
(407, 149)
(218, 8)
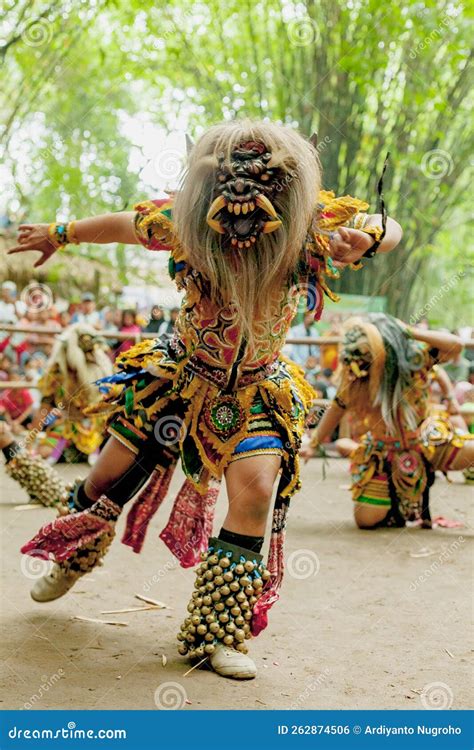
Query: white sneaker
(54, 584)
(231, 663)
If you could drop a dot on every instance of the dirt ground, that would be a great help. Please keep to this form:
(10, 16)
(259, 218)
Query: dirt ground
(366, 619)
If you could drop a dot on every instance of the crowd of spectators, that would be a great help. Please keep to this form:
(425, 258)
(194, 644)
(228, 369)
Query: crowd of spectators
(23, 355)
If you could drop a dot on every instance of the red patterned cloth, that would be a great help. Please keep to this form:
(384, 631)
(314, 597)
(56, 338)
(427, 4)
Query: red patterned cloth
(190, 524)
(276, 566)
(66, 534)
(145, 507)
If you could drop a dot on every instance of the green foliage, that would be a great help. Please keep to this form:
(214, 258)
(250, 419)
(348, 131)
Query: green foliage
(370, 77)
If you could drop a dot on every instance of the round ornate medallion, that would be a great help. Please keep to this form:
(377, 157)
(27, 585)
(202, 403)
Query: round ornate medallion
(224, 416)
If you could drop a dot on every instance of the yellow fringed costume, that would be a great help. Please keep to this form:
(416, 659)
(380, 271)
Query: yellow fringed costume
(204, 391)
(394, 464)
(67, 388)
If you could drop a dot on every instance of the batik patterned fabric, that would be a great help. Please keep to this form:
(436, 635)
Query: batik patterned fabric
(209, 427)
(399, 464)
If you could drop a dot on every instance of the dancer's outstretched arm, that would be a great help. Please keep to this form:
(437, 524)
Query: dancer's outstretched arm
(349, 245)
(116, 227)
(448, 344)
(324, 430)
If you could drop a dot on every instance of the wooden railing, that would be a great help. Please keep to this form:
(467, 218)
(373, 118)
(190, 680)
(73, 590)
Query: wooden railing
(118, 336)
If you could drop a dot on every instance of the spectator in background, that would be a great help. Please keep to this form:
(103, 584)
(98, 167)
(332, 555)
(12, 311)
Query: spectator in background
(8, 311)
(108, 318)
(16, 404)
(64, 318)
(169, 326)
(8, 306)
(129, 325)
(45, 341)
(471, 373)
(458, 368)
(5, 367)
(330, 352)
(157, 320)
(34, 369)
(312, 370)
(299, 353)
(117, 318)
(324, 384)
(87, 312)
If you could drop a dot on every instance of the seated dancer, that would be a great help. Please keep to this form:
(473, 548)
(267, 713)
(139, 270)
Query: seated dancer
(385, 375)
(61, 426)
(79, 358)
(246, 233)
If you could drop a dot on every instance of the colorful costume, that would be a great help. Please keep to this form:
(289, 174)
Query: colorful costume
(78, 359)
(404, 443)
(208, 398)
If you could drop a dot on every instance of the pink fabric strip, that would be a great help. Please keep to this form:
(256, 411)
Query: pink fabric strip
(190, 524)
(276, 566)
(145, 507)
(66, 534)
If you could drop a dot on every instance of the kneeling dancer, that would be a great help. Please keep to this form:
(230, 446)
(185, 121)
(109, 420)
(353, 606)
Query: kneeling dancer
(386, 367)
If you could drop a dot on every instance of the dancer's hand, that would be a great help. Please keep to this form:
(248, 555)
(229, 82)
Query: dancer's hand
(349, 245)
(34, 237)
(453, 406)
(307, 452)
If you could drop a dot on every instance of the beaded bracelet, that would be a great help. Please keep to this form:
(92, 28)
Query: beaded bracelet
(71, 233)
(373, 231)
(61, 235)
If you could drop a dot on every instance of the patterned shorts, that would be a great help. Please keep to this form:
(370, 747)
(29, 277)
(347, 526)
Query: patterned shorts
(376, 492)
(262, 437)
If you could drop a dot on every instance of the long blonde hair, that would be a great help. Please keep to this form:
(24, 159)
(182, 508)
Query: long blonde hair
(251, 280)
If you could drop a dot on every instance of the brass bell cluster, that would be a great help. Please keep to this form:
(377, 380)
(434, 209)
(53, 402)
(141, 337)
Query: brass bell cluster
(88, 557)
(229, 582)
(38, 478)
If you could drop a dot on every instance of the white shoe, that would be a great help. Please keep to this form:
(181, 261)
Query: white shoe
(54, 584)
(231, 663)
